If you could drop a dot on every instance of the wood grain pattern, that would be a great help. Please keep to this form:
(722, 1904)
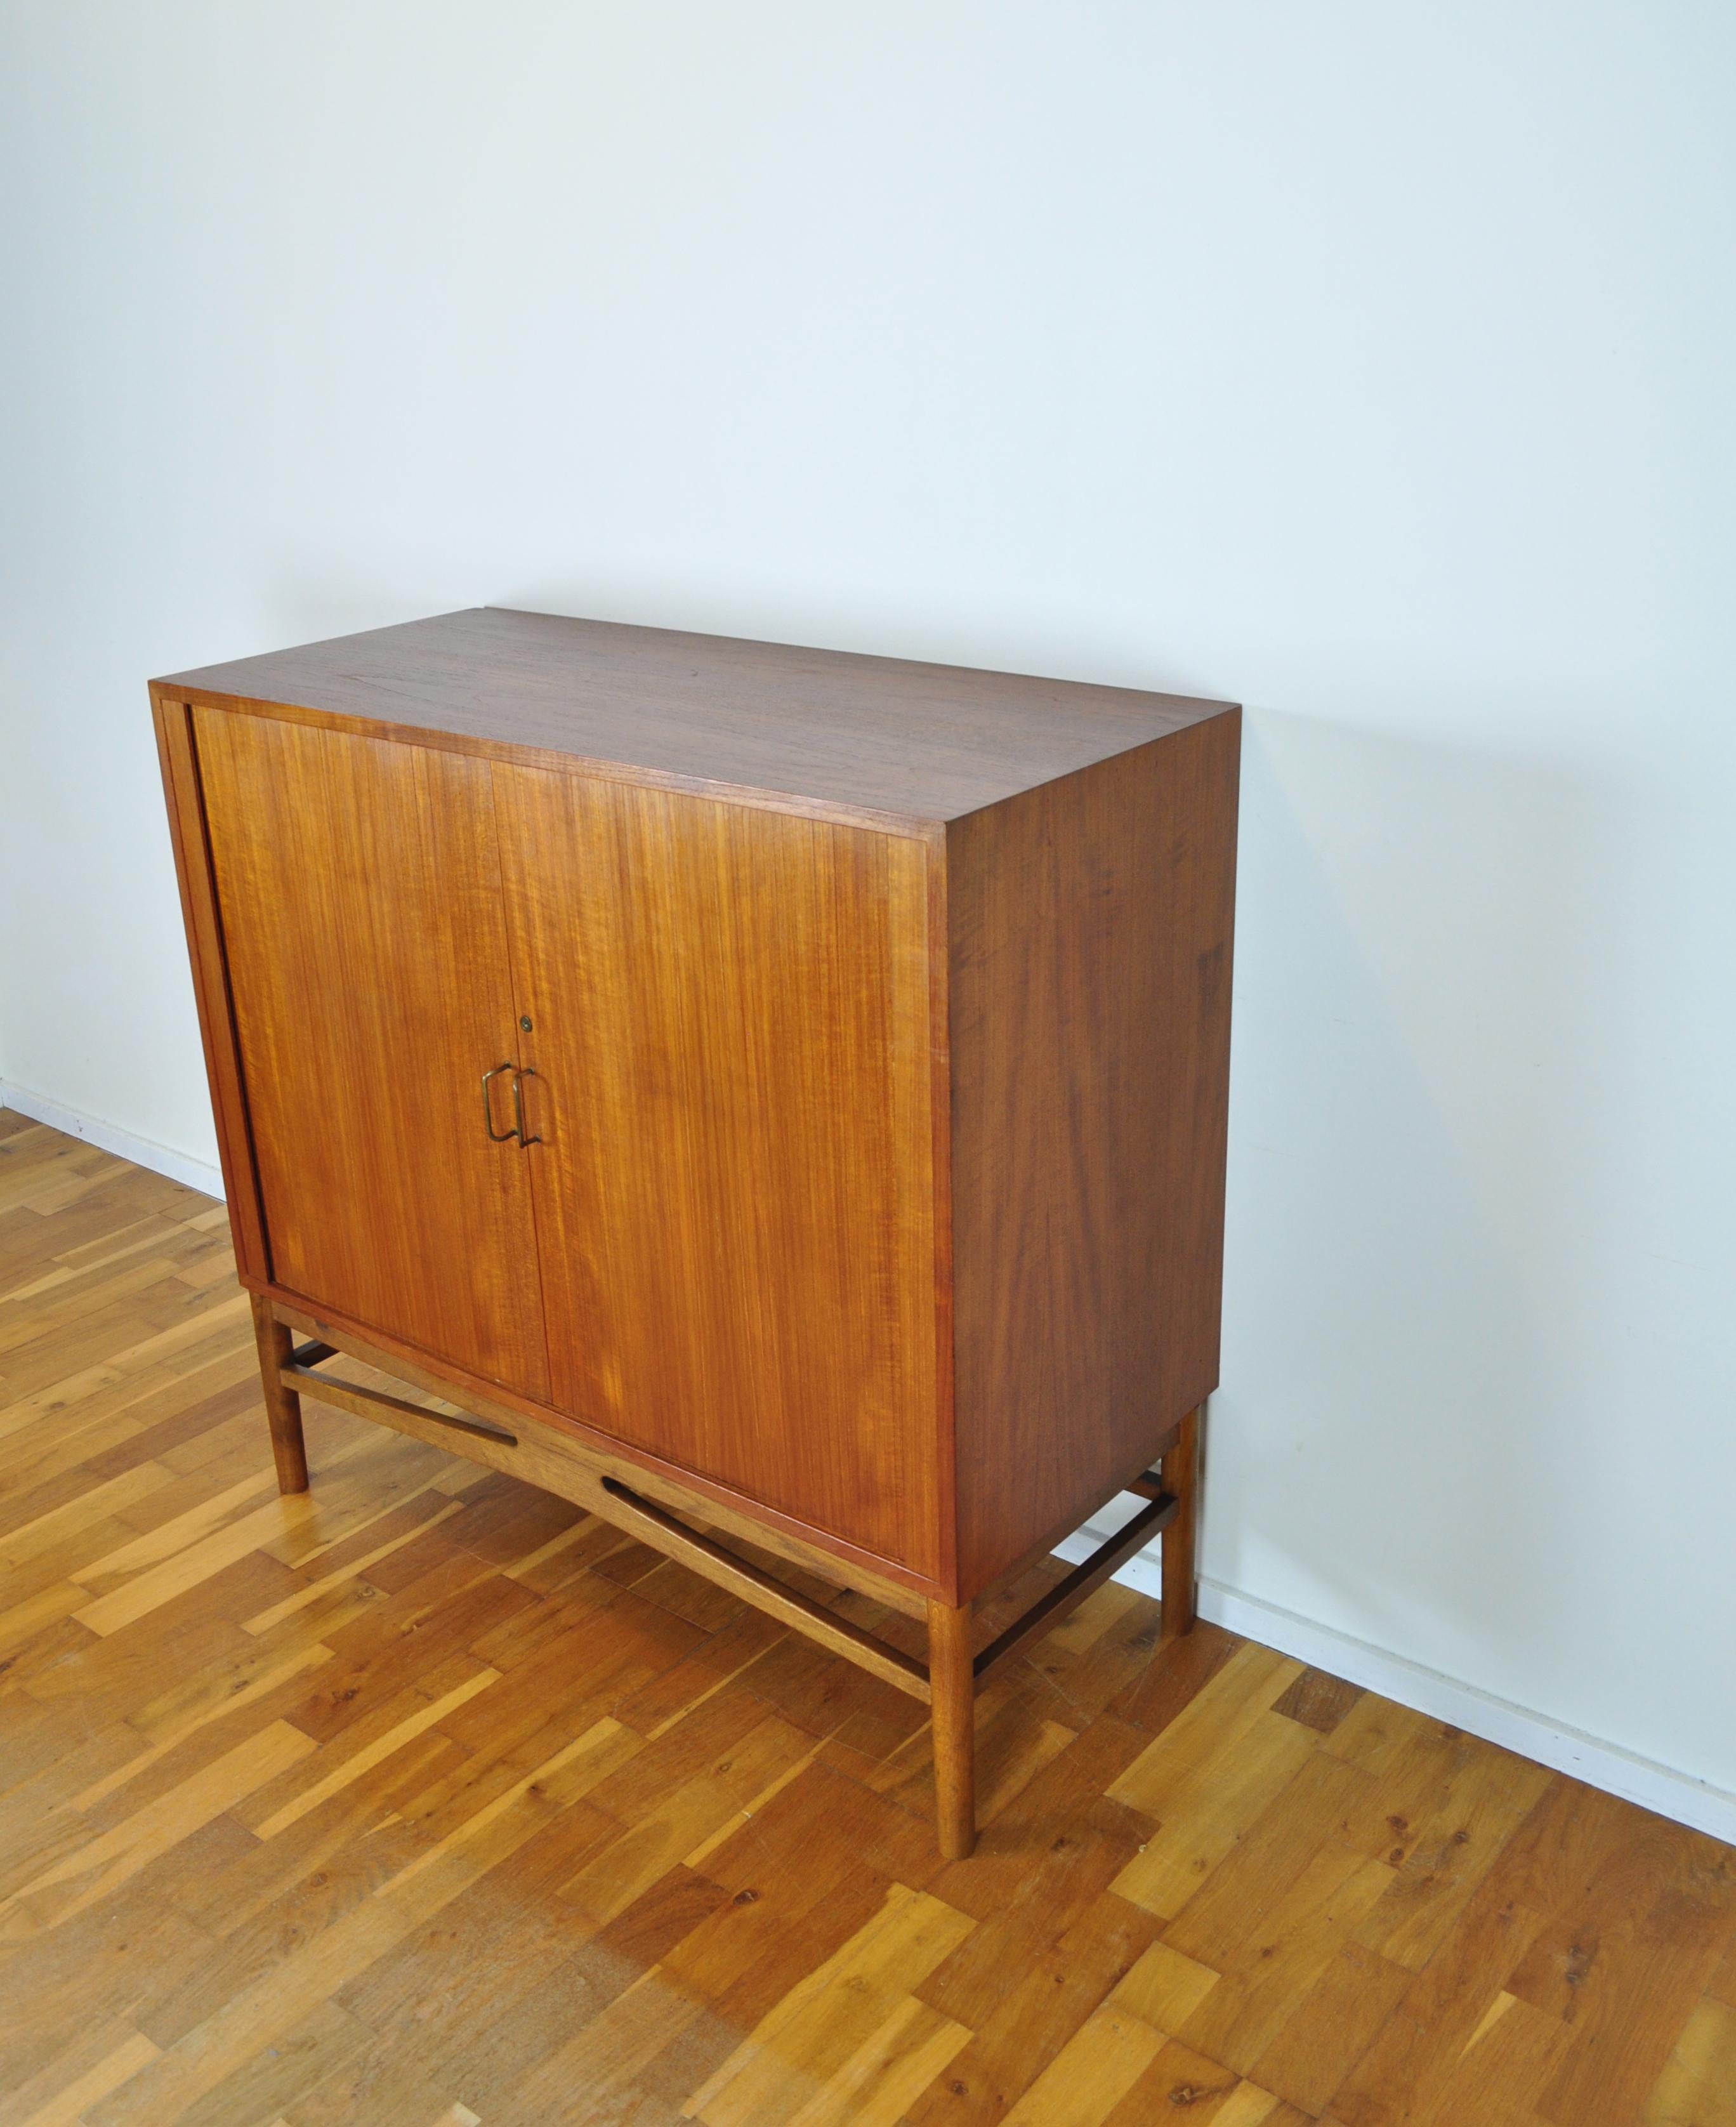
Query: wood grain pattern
(282, 1405)
(426, 1800)
(729, 1026)
(877, 1173)
(766, 722)
(559, 1442)
(718, 1563)
(952, 1690)
(359, 884)
(1180, 1574)
(1090, 926)
(864, 1031)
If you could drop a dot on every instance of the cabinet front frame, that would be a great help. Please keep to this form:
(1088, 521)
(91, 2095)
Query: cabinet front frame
(198, 882)
(889, 1579)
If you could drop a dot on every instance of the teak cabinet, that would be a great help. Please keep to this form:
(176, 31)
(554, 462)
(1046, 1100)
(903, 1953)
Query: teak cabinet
(773, 1095)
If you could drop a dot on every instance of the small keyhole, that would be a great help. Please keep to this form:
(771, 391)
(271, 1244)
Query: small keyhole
(526, 1024)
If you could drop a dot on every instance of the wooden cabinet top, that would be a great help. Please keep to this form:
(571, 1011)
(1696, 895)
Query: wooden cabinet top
(823, 731)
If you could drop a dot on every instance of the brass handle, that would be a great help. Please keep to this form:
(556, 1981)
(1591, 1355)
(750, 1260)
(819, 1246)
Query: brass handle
(518, 1079)
(496, 1137)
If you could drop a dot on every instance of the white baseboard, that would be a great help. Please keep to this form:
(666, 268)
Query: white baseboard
(1604, 1765)
(143, 1151)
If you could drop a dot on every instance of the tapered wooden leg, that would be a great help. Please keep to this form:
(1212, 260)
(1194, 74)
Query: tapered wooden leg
(1181, 1476)
(282, 1405)
(954, 1712)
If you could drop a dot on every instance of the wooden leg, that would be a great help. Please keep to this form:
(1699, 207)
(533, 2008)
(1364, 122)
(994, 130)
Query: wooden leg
(954, 1712)
(282, 1405)
(1181, 1476)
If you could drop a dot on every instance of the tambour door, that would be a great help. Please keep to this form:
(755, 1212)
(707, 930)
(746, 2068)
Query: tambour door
(729, 1067)
(358, 887)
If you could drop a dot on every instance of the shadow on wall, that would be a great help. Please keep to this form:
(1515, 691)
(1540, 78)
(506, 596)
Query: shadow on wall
(1429, 1042)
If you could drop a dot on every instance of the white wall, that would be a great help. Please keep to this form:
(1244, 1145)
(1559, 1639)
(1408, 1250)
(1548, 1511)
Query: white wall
(1369, 362)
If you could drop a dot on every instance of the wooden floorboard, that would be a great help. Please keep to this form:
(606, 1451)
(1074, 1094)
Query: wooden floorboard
(425, 1800)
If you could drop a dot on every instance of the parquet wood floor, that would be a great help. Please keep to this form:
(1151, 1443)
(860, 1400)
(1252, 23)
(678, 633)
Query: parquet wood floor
(424, 1800)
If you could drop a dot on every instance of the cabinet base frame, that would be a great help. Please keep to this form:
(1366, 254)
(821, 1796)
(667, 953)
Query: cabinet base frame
(948, 1681)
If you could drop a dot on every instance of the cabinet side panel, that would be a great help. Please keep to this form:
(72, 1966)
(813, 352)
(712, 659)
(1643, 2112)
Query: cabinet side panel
(211, 985)
(1089, 937)
(730, 1043)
